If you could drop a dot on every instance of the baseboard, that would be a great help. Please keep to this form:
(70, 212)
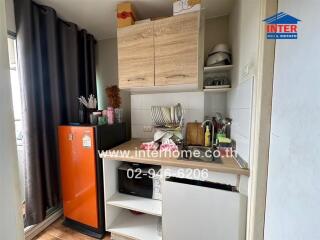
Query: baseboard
(33, 231)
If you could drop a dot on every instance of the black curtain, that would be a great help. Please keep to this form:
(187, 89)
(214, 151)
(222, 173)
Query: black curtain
(56, 65)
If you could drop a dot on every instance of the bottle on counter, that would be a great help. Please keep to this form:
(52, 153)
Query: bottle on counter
(207, 137)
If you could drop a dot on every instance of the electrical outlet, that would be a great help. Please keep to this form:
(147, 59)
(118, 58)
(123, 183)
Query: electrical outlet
(147, 128)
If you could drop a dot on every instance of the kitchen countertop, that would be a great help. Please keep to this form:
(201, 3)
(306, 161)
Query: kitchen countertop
(130, 149)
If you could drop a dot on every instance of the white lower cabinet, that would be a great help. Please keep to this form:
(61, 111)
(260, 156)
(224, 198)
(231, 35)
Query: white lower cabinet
(190, 209)
(196, 210)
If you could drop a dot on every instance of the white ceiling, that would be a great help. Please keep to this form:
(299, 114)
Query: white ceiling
(99, 16)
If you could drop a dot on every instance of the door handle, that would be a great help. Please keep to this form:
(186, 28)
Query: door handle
(136, 79)
(70, 137)
(200, 183)
(177, 75)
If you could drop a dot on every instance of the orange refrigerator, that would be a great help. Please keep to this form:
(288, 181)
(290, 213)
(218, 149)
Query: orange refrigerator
(81, 173)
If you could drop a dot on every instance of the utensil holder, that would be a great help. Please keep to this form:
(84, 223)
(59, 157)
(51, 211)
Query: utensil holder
(88, 112)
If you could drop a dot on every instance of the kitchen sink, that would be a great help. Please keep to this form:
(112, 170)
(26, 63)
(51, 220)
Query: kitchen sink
(198, 153)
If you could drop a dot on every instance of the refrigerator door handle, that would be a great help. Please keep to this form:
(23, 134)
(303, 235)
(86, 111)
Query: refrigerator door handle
(70, 137)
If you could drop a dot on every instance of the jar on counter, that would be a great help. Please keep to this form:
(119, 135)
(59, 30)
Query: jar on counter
(118, 112)
(110, 114)
(94, 116)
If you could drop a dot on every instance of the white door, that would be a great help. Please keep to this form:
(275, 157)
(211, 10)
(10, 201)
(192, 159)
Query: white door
(202, 212)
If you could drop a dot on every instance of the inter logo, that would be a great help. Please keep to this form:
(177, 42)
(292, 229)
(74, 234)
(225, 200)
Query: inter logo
(282, 26)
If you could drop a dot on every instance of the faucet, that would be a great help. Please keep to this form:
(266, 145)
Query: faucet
(212, 134)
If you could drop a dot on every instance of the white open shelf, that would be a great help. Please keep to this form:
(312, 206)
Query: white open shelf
(217, 68)
(223, 88)
(140, 204)
(137, 226)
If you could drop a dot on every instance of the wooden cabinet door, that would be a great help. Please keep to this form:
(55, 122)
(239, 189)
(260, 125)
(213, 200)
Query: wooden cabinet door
(136, 56)
(176, 49)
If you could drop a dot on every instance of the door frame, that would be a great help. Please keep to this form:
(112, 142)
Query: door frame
(260, 127)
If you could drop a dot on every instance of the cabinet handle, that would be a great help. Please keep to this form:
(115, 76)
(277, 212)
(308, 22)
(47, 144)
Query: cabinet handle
(200, 183)
(177, 75)
(136, 79)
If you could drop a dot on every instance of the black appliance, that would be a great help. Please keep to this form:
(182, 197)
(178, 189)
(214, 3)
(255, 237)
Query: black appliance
(141, 180)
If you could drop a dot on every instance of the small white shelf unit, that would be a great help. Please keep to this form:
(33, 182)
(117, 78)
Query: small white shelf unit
(222, 88)
(137, 226)
(214, 70)
(118, 217)
(140, 204)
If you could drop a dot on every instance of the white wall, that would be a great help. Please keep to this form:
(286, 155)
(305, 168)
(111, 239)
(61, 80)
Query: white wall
(11, 24)
(244, 37)
(293, 193)
(11, 225)
(107, 75)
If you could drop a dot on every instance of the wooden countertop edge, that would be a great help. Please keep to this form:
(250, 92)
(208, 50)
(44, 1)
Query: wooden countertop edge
(228, 165)
(183, 164)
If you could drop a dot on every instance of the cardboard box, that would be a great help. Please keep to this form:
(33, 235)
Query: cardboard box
(186, 6)
(125, 14)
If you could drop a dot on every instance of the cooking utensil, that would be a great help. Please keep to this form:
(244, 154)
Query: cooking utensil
(179, 112)
(195, 134)
(172, 114)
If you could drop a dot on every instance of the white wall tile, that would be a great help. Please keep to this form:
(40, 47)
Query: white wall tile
(192, 103)
(243, 145)
(241, 121)
(215, 102)
(188, 100)
(141, 116)
(192, 115)
(136, 102)
(241, 95)
(239, 101)
(137, 132)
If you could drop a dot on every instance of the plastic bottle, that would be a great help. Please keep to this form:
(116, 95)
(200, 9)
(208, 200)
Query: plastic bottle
(207, 137)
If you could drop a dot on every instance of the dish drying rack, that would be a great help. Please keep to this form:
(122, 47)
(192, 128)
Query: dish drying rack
(167, 116)
(169, 119)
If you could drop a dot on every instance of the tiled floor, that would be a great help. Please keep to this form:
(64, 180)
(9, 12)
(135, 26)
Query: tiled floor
(59, 232)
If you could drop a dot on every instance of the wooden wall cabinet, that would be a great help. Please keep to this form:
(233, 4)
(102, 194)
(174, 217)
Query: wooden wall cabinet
(136, 56)
(176, 50)
(162, 53)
